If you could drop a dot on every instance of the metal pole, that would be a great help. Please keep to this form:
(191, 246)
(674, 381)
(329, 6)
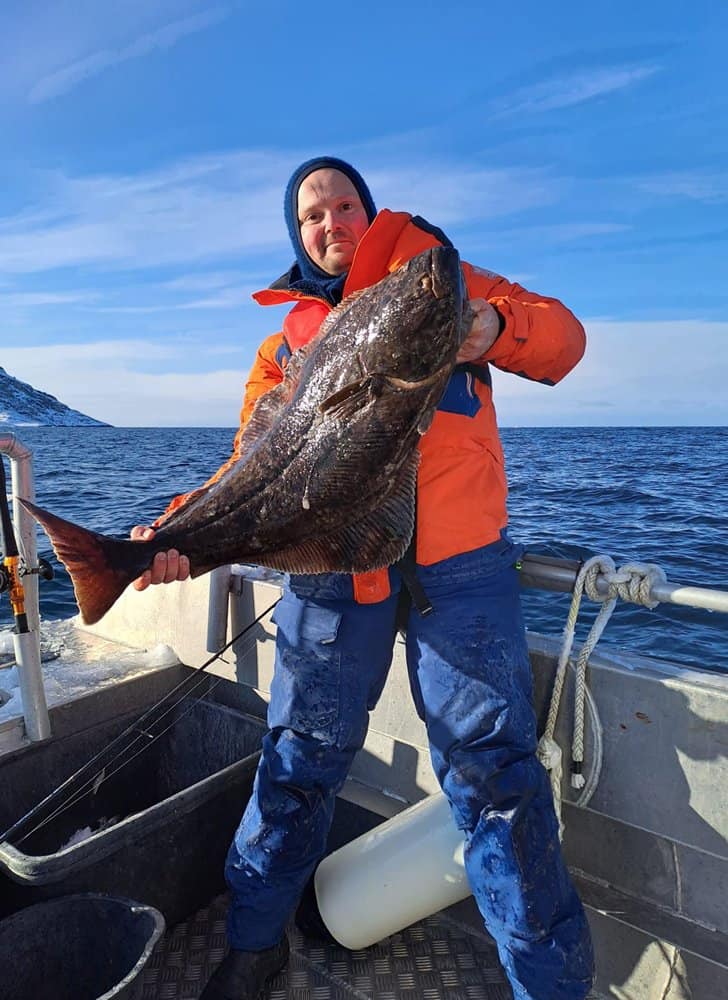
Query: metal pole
(27, 643)
(549, 573)
(217, 608)
(23, 485)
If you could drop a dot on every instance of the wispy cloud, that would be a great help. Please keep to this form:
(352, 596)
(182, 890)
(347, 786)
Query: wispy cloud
(565, 232)
(696, 390)
(202, 282)
(228, 298)
(33, 299)
(552, 235)
(694, 185)
(225, 298)
(202, 207)
(107, 380)
(569, 90)
(62, 80)
(146, 382)
(452, 193)
(224, 206)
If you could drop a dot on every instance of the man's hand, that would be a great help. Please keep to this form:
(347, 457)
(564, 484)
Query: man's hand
(483, 332)
(167, 566)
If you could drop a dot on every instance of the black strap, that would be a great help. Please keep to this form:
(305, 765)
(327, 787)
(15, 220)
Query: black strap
(407, 567)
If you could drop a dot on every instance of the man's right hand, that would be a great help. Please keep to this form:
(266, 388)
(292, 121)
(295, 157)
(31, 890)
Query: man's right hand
(167, 566)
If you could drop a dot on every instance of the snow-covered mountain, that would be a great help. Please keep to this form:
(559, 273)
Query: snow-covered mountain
(22, 405)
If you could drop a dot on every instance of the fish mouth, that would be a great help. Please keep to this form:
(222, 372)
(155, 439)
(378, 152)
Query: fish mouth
(437, 287)
(440, 271)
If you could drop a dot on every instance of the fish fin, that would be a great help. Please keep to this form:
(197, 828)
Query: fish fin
(271, 404)
(266, 412)
(333, 317)
(347, 401)
(376, 540)
(100, 567)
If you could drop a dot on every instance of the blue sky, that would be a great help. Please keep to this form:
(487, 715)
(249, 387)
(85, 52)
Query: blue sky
(579, 149)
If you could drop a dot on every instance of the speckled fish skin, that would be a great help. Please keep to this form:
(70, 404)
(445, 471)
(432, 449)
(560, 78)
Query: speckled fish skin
(328, 447)
(326, 480)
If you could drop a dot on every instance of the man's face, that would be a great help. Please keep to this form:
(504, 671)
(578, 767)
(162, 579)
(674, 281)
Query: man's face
(332, 219)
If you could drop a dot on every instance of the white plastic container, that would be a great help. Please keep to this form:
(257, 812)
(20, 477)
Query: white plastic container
(402, 871)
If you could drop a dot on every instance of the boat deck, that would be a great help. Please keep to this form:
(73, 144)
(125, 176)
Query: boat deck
(437, 959)
(648, 851)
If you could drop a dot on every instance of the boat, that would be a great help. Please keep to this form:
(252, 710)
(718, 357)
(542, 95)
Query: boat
(645, 826)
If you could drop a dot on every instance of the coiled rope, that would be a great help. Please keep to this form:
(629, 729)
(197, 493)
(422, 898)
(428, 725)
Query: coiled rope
(632, 582)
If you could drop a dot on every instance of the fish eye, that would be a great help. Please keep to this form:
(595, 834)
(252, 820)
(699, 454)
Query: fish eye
(426, 282)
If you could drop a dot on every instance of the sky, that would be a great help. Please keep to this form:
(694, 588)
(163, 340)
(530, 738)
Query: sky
(579, 149)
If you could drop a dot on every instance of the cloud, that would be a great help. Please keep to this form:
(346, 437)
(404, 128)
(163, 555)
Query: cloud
(32, 299)
(225, 298)
(567, 231)
(62, 80)
(628, 372)
(228, 298)
(634, 372)
(694, 185)
(567, 91)
(124, 352)
(107, 380)
(202, 207)
(202, 282)
(41, 37)
(452, 193)
(548, 235)
(228, 205)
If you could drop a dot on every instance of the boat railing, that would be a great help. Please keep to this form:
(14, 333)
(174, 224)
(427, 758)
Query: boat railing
(536, 571)
(27, 644)
(551, 573)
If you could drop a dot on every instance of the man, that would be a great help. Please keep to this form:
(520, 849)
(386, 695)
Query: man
(468, 660)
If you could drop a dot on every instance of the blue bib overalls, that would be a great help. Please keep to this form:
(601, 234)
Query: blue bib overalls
(471, 681)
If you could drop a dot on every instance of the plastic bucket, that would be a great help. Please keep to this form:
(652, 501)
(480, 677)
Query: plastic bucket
(157, 830)
(85, 947)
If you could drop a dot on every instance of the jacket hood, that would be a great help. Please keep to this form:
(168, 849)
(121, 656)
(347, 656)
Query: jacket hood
(305, 276)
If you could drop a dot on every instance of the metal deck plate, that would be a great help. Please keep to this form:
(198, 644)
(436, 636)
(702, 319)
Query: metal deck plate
(436, 959)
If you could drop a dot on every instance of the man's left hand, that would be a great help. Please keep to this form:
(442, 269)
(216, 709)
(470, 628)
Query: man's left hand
(483, 332)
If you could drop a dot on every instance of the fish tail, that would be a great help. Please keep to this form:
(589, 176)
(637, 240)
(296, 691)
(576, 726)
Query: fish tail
(100, 567)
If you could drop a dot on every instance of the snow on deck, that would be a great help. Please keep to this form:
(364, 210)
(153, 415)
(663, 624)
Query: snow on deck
(74, 662)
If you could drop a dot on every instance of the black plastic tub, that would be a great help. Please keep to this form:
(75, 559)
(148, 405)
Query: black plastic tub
(85, 947)
(162, 825)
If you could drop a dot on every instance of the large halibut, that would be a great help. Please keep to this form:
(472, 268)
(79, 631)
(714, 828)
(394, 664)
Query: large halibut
(327, 470)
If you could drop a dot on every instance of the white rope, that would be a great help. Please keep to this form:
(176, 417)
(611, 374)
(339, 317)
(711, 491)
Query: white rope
(632, 582)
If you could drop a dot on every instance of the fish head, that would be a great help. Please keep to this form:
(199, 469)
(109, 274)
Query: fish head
(420, 319)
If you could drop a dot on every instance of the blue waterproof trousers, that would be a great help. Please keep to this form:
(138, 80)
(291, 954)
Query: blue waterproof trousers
(471, 681)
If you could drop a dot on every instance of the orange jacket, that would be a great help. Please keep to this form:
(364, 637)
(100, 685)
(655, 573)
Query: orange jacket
(461, 501)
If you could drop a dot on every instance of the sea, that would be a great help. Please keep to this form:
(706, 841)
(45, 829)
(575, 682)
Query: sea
(647, 494)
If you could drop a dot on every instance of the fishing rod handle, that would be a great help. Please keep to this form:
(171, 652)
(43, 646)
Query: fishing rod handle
(8, 545)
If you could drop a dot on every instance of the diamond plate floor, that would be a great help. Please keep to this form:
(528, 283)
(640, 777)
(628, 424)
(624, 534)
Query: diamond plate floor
(435, 960)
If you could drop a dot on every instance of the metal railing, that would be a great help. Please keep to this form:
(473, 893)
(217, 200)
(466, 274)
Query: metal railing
(537, 571)
(27, 645)
(549, 573)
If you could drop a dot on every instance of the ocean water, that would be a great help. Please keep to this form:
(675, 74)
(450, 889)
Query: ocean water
(646, 494)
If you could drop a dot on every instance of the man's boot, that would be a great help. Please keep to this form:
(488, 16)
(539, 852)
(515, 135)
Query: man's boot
(243, 975)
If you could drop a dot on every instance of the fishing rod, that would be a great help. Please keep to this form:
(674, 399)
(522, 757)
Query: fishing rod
(94, 782)
(90, 775)
(10, 576)
(26, 644)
